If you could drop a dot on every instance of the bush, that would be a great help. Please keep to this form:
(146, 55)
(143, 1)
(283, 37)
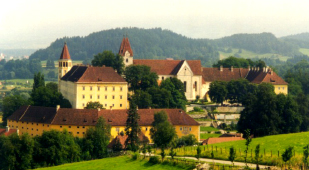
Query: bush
(198, 109)
(154, 160)
(187, 140)
(218, 132)
(135, 156)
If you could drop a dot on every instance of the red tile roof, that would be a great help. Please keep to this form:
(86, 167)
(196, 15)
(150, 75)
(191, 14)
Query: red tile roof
(88, 117)
(4, 132)
(170, 67)
(254, 76)
(87, 74)
(213, 74)
(65, 52)
(125, 46)
(220, 140)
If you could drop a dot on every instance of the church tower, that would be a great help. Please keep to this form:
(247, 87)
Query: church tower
(126, 51)
(65, 62)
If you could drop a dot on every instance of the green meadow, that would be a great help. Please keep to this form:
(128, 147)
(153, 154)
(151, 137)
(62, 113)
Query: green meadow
(114, 163)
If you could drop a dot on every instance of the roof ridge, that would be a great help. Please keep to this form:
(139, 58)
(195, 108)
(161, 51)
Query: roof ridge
(24, 113)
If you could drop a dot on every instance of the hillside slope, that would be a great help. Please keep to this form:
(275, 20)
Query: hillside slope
(146, 44)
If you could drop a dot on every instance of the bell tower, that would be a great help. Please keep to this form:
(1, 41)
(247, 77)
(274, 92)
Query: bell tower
(125, 50)
(65, 62)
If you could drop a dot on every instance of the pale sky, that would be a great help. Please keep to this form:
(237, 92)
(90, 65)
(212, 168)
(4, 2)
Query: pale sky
(37, 23)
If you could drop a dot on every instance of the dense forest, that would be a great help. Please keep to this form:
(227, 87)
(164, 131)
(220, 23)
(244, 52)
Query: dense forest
(157, 43)
(146, 44)
(301, 40)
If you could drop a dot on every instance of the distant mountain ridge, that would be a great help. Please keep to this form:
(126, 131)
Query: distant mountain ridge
(301, 40)
(157, 43)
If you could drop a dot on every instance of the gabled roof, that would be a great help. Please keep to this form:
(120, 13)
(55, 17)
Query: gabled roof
(260, 76)
(253, 75)
(89, 117)
(213, 74)
(65, 52)
(125, 46)
(85, 74)
(170, 67)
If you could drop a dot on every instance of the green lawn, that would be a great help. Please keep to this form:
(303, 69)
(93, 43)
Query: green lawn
(250, 54)
(304, 51)
(115, 163)
(209, 128)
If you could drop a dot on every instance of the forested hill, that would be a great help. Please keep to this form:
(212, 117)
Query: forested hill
(146, 44)
(259, 43)
(301, 40)
(160, 44)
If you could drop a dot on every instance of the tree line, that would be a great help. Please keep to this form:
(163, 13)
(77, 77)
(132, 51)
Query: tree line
(19, 69)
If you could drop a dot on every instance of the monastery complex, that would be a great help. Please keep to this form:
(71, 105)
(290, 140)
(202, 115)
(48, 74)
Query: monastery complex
(82, 84)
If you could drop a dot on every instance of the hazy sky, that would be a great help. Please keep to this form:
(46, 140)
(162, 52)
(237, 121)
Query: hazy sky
(37, 23)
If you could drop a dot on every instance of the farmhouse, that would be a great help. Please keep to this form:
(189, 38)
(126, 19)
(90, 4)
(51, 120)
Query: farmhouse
(36, 119)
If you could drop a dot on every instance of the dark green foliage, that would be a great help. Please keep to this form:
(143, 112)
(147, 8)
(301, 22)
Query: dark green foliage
(140, 77)
(176, 87)
(142, 99)
(258, 43)
(55, 148)
(10, 104)
(154, 160)
(306, 155)
(266, 113)
(132, 128)
(117, 146)
(13, 69)
(237, 62)
(162, 132)
(287, 154)
(232, 155)
(172, 153)
(7, 155)
(248, 141)
(38, 81)
(94, 105)
(160, 97)
(198, 152)
(135, 156)
(218, 91)
(146, 44)
(50, 63)
(257, 156)
(109, 59)
(239, 89)
(96, 139)
(187, 140)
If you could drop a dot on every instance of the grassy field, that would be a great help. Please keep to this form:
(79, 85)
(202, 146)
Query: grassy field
(270, 146)
(250, 54)
(209, 128)
(304, 51)
(115, 163)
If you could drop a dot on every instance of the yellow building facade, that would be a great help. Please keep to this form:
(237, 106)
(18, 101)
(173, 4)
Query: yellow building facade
(34, 120)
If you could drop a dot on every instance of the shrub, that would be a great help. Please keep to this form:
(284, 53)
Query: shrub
(187, 140)
(218, 132)
(198, 109)
(154, 160)
(135, 156)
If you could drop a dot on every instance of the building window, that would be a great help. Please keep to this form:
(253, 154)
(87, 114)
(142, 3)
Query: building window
(105, 96)
(185, 86)
(105, 105)
(77, 126)
(190, 128)
(77, 132)
(83, 133)
(90, 96)
(282, 88)
(98, 96)
(22, 127)
(195, 85)
(84, 127)
(113, 88)
(69, 126)
(185, 128)
(113, 97)
(127, 60)
(146, 128)
(98, 88)
(113, 105)
(120, 88)
(83, 104)
(60, 126)
(105, 88)
(180, 128)
(162, 78)
(120, 96)
(120, 105)
(117, 129)
(37, 129)
(279, 88)
(31, 128)
(83, 87)
(90, 88)
(47, 125)
(83, 96)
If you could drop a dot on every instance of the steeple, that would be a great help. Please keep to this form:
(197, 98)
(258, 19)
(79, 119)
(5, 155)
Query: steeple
(126, 51)
(65, 62)
(65, 52)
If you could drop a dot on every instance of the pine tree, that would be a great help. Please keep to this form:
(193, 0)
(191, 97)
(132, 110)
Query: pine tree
(132, 128)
